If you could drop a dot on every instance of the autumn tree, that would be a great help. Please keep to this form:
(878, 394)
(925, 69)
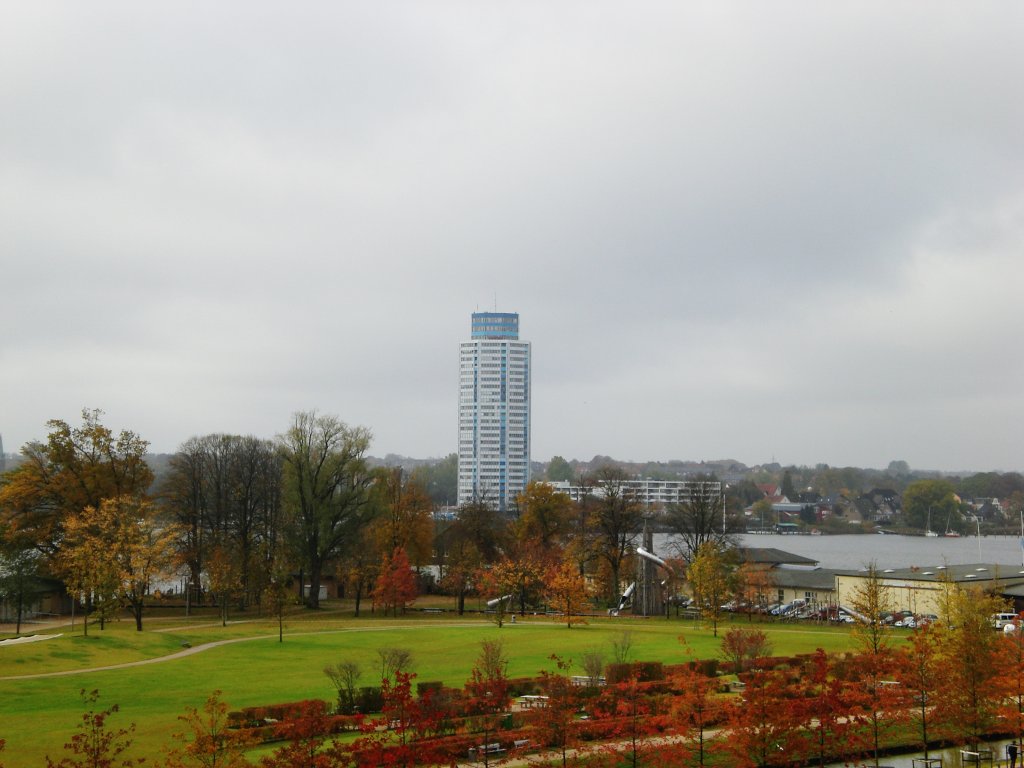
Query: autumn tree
(326, 489)
(972, 698)
(544, 517)
(460, 563)
(513, 582)
(306, 735)
(404, 516)
(277, 596)
(358, 568)
(921, 669)
(617, 518)
(396, 584)
(711, 577)
(694, 710)
(878, 704)
(823, 705)
(762, 728)
(207, 740)
(77, 467)
(555, 722)
(401, 712)
(568, 592)
(488, 692)
(626, 704)
(754, 586)
(112, 553)
(475, 538)
(223, 579)
(94, 744)
(742, 647)
(94, 580)
(871, 601)
(1010, 659)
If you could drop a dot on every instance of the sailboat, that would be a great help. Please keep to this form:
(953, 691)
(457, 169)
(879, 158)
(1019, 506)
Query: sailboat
(930, 533)
(950, 534)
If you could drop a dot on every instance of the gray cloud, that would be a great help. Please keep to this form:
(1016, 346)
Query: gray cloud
(731, 230)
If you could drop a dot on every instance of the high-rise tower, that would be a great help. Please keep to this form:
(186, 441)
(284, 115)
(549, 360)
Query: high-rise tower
(494, 411)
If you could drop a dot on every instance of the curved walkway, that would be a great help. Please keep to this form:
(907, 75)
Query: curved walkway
(218, 643)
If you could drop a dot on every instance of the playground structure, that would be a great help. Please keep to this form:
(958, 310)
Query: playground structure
(647, 592)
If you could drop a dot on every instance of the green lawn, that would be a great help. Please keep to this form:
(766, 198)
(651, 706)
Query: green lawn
(37, 715)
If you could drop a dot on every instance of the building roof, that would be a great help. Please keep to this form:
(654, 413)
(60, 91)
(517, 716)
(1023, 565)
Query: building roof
(958, 574)
(772, 556)
(814, 578)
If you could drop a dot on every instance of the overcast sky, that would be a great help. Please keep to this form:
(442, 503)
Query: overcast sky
(789, 231)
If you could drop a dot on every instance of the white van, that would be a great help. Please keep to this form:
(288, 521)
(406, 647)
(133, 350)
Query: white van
(1000, 620)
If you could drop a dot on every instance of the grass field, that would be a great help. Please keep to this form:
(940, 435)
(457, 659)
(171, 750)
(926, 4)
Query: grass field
(38, 714)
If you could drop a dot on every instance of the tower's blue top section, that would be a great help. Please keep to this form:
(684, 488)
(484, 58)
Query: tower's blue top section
(495, 325)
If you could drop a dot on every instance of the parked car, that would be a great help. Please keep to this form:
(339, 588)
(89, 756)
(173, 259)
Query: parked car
(1000, 620)
(791, 607)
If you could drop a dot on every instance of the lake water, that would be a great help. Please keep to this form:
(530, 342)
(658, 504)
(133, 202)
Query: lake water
(855, 551)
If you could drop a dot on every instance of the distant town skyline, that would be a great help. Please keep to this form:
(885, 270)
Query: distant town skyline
(731, 230)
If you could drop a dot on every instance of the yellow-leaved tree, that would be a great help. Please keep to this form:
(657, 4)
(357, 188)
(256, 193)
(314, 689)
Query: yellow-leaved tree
(712, 579)
(113, 552)
(568, 592)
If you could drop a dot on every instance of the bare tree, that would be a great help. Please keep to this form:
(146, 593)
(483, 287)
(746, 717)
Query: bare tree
(622, 646)
(393, 660)
(593, 665)
(618, 517)
(344, 676)
(699, 519)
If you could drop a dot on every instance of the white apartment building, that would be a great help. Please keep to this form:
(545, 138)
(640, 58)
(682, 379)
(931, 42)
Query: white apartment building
(494, 411)
(645, 491)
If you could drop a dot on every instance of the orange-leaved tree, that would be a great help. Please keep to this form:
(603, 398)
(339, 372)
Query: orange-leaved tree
(742, 647)
(694, 710)
(555, 722)
(763, 725)
(207, 740)
(306, 733)
(395, 587)
(823, 701)
(568, 592)
(1011, 660)
(921, 669)
(405, 516)
(488, 693)
(94, 744)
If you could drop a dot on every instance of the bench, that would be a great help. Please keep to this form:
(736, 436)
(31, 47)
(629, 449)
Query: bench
(493, 748)
(529, 702)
